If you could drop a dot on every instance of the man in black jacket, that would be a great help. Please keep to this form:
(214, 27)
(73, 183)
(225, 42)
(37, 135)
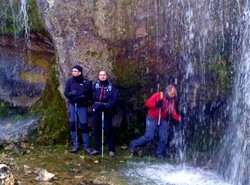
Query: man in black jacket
(78, 92)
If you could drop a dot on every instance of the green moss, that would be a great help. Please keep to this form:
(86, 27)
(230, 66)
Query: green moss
(32, 77)
(15, 27)
(127, 73)
(34, 17)
(220, 72)
(8, 24)
(93, 54)
(53, 126)
(36, 60)
(4, 109)
(8, 110)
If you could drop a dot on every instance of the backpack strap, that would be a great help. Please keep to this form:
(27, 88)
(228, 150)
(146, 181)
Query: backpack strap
(98, 86)
(110, 86)
(161, 95)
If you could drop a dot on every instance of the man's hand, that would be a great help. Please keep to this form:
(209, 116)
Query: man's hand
(182, 123)
(105, 106)
(96, 107)
(159, 103)
(73, 93)
(78, 97)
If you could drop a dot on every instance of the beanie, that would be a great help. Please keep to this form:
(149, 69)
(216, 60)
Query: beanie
(79, 68)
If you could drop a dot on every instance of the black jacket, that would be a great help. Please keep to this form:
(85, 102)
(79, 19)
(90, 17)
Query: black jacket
(78, 90)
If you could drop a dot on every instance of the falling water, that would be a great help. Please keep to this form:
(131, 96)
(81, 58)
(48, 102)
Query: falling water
(14, 20)
(20, 19)
(166, 174)
(235, 154)
(203, 40)
(25, 19)
(193, 28)
(13, 131)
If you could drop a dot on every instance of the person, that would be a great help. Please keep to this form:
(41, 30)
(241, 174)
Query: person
(160, 105)
(104, 101)
(78, 92)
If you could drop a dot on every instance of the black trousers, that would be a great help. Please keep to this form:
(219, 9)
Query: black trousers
(97, 124)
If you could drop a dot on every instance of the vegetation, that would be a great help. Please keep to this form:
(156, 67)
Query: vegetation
(34, 17)
(13, 20)
(127, 73)
(7, 109)
(53, 126)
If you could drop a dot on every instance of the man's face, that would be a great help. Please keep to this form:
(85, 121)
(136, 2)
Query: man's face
(75, 72)
(102, 76)
(172, 93)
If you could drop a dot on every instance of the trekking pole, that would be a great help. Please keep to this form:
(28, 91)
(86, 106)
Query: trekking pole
(76, 116)
(159, 113)
(102, 132)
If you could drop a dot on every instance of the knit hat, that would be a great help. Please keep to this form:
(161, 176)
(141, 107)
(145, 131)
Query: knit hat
(79, 68)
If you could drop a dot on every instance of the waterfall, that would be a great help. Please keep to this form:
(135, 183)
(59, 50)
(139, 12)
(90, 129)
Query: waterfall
(235, 154)
(200, 34)
(19, 22)
(196, 35)
(16, 93)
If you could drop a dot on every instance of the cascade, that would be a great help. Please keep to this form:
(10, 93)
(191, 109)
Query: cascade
(234, 156)
(19, 22)
(202, 37)
(17, 91)
(199, 32)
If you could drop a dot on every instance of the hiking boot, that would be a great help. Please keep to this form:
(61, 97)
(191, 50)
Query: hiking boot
(95, 152)
(139, 152)
(73, 150)
(111, 154)
(88, 151)
(130, 156)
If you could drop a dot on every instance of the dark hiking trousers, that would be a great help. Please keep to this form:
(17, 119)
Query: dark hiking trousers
(152, 127)
(82, 117)
(97, 123)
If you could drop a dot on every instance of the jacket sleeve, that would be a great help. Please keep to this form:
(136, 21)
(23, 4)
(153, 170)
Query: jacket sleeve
(67, 90)
(174, 113)
(112, 99)
(150, 103)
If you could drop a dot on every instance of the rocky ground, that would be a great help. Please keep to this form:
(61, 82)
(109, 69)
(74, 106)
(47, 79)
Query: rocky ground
(55, 165)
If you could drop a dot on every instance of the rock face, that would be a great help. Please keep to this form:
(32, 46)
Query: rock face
(23, 71)
(146, 45)
(75, 37)
(97, 34)
(143, 42)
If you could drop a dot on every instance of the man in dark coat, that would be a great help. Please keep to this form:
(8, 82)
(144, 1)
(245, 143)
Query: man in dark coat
(78, 92)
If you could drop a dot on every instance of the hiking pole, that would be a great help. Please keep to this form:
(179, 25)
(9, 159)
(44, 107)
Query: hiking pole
(102, 132)
(159, 113)
(76, 116)
(159, 116)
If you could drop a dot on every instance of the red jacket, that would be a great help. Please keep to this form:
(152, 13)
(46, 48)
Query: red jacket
(168, 107)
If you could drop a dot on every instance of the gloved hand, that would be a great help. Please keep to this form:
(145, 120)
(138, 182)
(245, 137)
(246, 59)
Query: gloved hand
(78, 98)
(105, 106)
(159, 103)
(182, 123)
(73, 93)
(96, 107)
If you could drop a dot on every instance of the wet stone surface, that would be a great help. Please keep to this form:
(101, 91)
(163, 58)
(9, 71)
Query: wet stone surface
(62, 167)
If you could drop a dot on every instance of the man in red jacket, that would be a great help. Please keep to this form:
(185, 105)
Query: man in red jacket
(160, 105)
